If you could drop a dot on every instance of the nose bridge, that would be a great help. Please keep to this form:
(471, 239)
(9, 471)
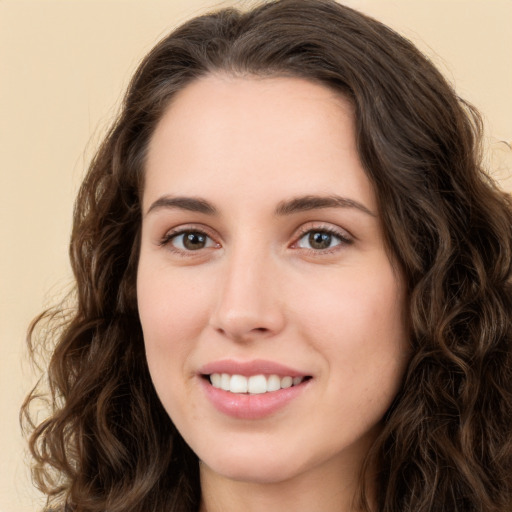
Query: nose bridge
(247, 303)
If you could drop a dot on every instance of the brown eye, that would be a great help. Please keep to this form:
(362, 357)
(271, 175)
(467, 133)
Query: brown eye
(191, 241)
(319, 240)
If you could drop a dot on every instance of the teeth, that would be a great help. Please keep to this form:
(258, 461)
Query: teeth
(225, 382)
(286, 382)
(256, 384)
(238, 384)
(216, 379)
(273, 383)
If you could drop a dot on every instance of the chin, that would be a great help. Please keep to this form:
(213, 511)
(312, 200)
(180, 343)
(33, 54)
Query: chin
(268, 473)
(263, 467)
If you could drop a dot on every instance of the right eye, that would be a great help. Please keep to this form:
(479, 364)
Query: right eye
(188, 240)
(320, 240)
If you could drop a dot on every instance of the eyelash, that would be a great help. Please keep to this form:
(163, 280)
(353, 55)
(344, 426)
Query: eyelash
(342, 237)
(173, 235)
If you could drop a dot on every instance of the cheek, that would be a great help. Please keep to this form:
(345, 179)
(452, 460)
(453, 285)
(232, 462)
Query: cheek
(165, 313)
(358, 324)
(171, 307)
(359, 305)
(172, 312)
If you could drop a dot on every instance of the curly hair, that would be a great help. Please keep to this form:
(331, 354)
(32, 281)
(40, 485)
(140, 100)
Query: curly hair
(446, 444)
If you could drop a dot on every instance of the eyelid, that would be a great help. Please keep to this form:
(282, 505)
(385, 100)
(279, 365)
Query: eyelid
(170, 234)
(345, 237)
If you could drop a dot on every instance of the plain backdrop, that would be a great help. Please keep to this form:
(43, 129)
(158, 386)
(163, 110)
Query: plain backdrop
(63, 67)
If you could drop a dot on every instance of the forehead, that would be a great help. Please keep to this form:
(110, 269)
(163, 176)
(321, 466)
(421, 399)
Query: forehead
(244, 134)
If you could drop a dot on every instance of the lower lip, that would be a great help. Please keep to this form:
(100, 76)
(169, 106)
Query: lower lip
(251, 407)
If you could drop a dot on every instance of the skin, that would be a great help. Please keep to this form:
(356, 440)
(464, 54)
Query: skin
(258, 288)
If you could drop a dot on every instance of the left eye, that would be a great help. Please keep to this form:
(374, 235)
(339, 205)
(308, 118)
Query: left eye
(319, 240)
(191, 241)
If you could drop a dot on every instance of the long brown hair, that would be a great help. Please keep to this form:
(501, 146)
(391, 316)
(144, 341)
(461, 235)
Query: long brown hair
(446, 443)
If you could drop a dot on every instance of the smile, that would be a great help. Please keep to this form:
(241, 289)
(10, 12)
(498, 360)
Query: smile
(254, 384)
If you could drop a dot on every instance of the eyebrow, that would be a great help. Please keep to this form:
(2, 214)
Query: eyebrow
(191, 204)
(295, 205)
(306, 203)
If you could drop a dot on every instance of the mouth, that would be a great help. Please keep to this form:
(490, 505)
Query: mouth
(254, 384)
(252, 390)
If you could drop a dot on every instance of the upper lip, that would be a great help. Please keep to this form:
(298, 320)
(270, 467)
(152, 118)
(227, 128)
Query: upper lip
(248, 368)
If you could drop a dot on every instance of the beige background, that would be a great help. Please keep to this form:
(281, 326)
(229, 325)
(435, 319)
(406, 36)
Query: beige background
(63, 66)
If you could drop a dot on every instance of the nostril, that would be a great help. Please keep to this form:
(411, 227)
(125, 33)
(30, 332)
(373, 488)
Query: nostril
(245, 323)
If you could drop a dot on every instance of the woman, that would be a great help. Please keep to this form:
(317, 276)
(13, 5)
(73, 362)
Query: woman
(293, 283)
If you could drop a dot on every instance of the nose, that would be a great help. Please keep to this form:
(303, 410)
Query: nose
(249, 304)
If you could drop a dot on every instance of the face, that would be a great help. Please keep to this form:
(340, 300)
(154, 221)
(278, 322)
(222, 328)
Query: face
(271, 313)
